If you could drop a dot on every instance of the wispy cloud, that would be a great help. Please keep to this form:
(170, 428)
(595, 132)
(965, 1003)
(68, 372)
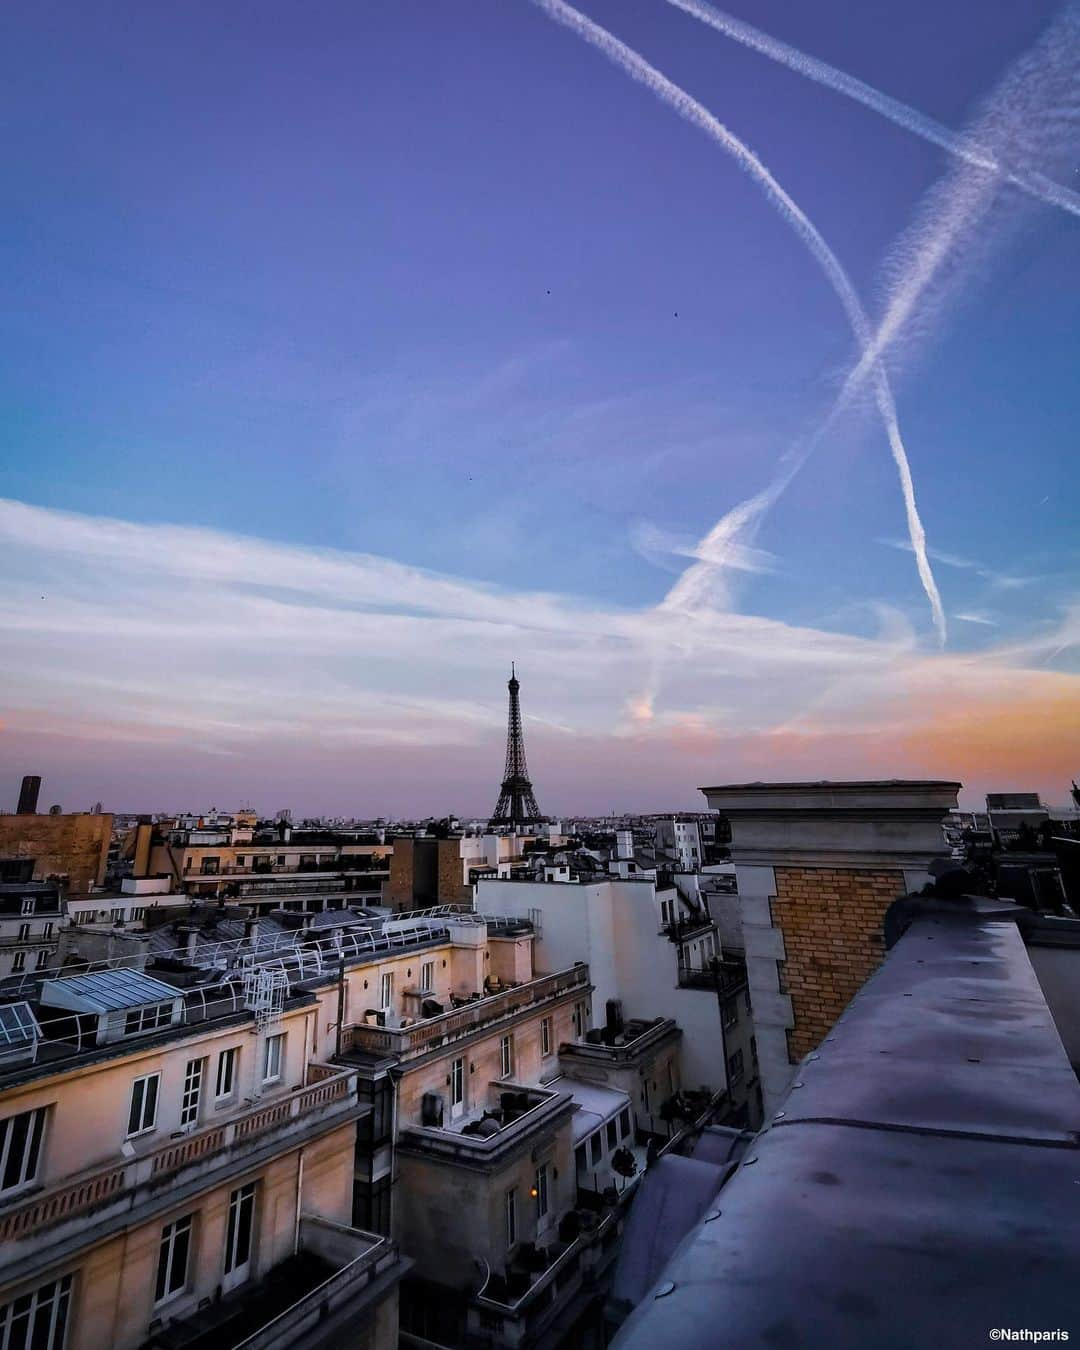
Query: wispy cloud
(1006, 581)
(970, 617)
(152, 641)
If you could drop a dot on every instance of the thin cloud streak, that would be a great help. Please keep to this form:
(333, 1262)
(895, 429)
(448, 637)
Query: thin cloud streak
(964, 145)
(634, 65)
(138, 644)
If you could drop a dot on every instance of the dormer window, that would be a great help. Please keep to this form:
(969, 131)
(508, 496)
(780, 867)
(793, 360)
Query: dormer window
(149, 1018)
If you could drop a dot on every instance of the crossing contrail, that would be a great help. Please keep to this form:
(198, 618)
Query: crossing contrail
(1032, 114)
(697, 115)
(965, 147)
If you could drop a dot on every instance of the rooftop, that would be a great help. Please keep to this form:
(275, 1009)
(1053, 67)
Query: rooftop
(106, 990)
(918, 1184)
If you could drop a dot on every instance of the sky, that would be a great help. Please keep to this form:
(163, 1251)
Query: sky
(350, 352)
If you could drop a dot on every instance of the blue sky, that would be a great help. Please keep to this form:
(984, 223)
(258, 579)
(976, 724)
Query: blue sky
(436, 284)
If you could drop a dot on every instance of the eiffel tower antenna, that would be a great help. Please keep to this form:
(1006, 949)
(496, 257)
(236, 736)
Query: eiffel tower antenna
(516, 804)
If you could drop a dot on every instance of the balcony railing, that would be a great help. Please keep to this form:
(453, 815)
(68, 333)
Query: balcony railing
(102, 1184)
(450, 1026)
(724, 977)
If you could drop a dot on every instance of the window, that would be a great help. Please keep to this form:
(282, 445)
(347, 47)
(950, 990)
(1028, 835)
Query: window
(735, 1067)
(28, 906)
(47, 931)
(273, 1057)
(427, 976)
(624, 1123)
(210, 867)
(18, 962)
(42, 959)
(193, 1081)
(457, 1084)
(386, 990)
(596, 1147)
(226, 1073)
(511, 1217)
(545, 1036)
(172, 1271)
(729, 1017)
(85, 916)
(24, 933)
(148, 1019)
(142, 1115)
(238, 1234)
(116, 915)
(540, 1191)
(581, 1019)
(612, 1136)
(582, 1160)
(38, 1319)
(138, 914)
(506, 1053)
(20, 1149)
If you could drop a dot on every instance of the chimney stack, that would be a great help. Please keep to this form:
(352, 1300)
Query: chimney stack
(28, 795)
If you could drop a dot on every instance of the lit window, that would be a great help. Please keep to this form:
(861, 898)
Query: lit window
(38, 1319)
(173, 1254)
(142, 1114)
(20, 1149)
(506, 1052)
(273, 1056)
(540, 1191)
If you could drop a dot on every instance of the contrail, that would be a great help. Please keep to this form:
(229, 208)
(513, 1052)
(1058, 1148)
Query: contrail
(697, 115)
(967, 148)
(1033, 111)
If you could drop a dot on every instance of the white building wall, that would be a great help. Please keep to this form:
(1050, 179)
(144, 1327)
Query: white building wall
(613, 926)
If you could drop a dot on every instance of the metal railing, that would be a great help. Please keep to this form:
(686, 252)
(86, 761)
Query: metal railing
(459, 1022)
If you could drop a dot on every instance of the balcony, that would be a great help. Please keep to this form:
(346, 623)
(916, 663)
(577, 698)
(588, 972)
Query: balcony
(635, 1039)
(725, 977)
(433, 1033)
(483, 1136)
(681, 930)
(519, 1306)
(116, 1196)
(309, 1300)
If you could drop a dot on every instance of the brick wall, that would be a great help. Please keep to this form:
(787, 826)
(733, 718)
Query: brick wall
(451, 889)
(831, 919)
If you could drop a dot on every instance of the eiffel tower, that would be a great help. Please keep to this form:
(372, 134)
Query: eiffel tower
(517, 804)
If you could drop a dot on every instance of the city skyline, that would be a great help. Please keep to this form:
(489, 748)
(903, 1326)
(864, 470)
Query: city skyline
(392, 348)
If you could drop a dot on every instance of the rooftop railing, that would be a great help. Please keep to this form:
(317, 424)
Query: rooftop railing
(449, 1026)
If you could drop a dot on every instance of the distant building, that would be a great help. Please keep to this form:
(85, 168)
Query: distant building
(72, 849)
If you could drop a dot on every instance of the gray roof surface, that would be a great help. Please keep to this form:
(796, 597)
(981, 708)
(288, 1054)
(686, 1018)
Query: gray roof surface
(918, 1186)
(108, 990)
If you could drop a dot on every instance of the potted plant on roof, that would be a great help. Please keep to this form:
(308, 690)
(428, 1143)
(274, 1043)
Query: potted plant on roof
(624, 1163)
